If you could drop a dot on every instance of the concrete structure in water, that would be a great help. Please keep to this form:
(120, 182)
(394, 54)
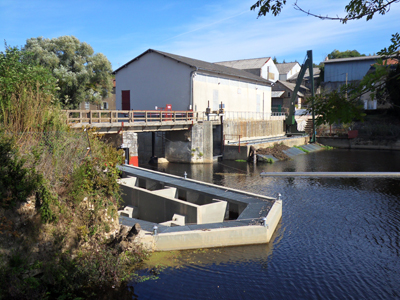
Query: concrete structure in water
(190, 214)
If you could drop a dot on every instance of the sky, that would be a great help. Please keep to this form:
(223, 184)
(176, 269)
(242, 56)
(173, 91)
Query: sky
(207, 30)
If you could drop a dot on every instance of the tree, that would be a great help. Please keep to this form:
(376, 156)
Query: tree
(26, 91)
(345, 54)
(356, 9)
(82, 75)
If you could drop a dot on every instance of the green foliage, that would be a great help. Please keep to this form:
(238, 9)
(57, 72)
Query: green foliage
(26, 92)
(341, 106)
(392, 87)
(302, 149)
(266, 6)
(82, 75)
(64, 277)
(356, 9)
(345, 54)
(16, 182)
(241, 160)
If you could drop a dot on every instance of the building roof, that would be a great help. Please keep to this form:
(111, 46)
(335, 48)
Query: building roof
(203, 66)
(291, 87)
(284, 68)
(316, 72)
(350, 59)
(253, 63)
(277, 94)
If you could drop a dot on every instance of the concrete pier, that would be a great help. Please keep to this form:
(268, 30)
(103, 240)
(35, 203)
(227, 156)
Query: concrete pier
(166, 200)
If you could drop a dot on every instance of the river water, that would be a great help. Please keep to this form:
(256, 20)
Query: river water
(339, 238)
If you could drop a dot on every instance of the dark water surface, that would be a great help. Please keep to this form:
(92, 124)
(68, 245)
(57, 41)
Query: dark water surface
(339, 238)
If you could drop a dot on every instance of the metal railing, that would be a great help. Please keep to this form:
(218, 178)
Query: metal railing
(128, 116)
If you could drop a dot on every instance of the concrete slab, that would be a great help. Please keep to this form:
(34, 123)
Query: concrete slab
(263, 157)
(291, 152)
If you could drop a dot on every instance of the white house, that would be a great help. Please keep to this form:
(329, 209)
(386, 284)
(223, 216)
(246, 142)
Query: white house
(288, 70)
(263, 67)
(155, 79)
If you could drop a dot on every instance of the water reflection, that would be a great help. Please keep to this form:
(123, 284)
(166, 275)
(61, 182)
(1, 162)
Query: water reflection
(339, 238)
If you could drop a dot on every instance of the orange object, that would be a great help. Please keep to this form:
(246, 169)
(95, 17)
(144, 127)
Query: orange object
(134, 161)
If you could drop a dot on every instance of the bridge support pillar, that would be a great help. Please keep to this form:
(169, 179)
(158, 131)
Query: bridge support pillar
(129, 140)
(190, 146)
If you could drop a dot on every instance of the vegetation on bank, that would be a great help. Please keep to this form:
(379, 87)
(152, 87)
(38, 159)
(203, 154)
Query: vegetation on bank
(58, 195)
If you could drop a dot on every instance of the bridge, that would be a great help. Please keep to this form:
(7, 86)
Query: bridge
(113, 121)
(188, 136)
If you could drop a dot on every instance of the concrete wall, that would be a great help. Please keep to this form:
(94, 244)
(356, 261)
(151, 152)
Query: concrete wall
(236, 95)
(221, 237)
(231, 152)
(154, 80)
(360, 143)
(159, 206)
(249, 129)
(193, 146)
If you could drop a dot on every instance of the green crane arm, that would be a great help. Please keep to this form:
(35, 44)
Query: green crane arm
(291, 124)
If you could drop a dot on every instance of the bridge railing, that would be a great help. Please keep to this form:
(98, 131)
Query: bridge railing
(128, 116)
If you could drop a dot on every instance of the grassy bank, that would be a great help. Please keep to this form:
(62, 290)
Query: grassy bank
(58, 197)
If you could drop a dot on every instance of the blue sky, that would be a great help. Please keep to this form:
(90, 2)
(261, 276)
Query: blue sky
(207, 30)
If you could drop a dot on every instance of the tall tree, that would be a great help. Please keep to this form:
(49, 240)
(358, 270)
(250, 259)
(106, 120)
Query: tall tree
(83, 76)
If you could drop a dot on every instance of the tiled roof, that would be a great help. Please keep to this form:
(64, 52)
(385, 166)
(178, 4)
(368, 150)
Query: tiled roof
(254, 63)
(204, 66)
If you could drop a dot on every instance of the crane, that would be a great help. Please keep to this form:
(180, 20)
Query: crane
(290, 122)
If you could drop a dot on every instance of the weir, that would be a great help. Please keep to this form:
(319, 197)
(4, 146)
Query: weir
(190, 214)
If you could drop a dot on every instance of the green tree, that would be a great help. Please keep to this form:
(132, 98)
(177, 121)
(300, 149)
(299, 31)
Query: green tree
(82, 75)
(26, 91)
(345, 54)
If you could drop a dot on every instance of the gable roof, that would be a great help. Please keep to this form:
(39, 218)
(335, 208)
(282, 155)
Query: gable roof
(284, 68)
(203, 66)
(253, 63)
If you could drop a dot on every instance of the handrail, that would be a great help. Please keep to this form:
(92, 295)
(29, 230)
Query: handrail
(128, 116)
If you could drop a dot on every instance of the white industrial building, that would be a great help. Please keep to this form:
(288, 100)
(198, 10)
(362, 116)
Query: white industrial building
(155, 79)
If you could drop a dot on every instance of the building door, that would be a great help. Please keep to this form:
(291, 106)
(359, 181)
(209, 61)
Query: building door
(126, 100)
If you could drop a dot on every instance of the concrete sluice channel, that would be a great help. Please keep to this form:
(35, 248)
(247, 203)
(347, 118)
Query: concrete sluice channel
(177, 213)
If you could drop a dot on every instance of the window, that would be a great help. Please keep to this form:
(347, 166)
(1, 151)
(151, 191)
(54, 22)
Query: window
(288, 94)
(105, 105)
(87, 105)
